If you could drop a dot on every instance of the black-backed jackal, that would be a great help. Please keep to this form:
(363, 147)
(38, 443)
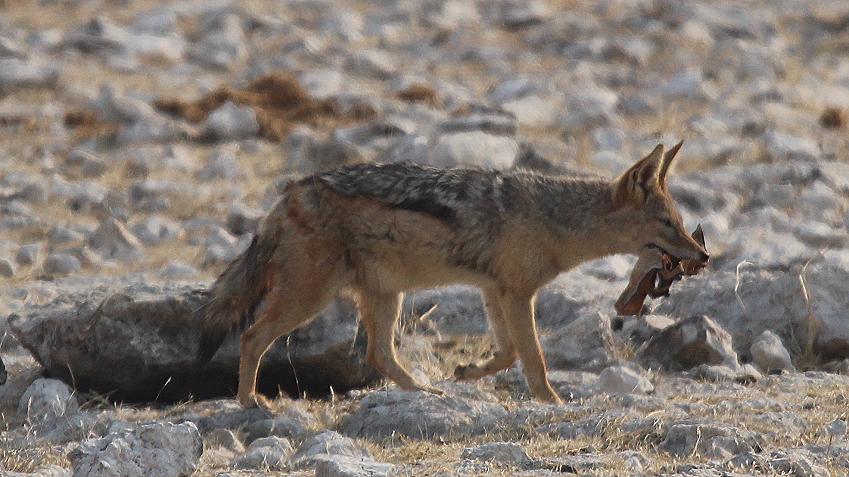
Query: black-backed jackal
(379, 230)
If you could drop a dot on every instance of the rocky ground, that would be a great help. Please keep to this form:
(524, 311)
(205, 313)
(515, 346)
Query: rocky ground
(141, 141)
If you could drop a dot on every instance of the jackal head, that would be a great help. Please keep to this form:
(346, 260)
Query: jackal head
(646, 215)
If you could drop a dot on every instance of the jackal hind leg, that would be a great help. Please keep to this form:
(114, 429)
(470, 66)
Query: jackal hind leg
(519, 317)
(284, 312)
(505, 353)
(380, 312)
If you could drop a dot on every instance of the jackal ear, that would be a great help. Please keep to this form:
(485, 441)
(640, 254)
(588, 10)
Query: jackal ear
(635, 185)
(667, 161)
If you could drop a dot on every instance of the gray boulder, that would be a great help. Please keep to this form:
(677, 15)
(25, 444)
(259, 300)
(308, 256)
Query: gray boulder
(769, 354)
(327, 444)
(307, 153)
(463, 411)
(47, 399)
(690, 342)
(340, 466)
(224, 46)
(267, 453)
(230, 121)
(61, 264)
(113, 240)
(223, 438)
(623, 380)
(155, 230)
(500, 452)
(7, 268)
(474, 148)
(714, 441)
(754, 300)
(584, 344)
(27, 254)
(18, 73)
(292, 421)
(148, 339)
(151, 450)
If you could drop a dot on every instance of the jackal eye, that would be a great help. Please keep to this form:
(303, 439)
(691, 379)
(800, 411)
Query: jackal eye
(666, 221)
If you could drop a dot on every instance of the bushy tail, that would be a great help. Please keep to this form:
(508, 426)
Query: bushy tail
(234, 296)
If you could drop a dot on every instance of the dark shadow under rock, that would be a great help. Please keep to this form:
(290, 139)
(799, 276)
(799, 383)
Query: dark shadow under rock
(140, 344)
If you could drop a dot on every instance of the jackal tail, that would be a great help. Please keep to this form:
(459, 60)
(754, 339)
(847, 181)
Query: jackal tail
(235, 295)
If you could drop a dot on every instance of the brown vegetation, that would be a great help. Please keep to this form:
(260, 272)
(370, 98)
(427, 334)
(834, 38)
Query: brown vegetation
(86, 124)
(419, 93)
(279, 101)
(834, 118)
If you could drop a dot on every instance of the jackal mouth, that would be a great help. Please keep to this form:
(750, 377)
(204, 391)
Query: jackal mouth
(655, 278)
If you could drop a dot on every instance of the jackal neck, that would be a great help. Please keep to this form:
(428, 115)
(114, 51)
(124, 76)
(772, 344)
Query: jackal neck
(580, 214)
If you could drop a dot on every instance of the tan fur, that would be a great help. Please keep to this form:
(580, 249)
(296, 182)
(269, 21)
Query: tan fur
(358, 230)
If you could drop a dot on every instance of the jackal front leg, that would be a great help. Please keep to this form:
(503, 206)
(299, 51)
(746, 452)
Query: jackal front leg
(505, 353)
(519, 317)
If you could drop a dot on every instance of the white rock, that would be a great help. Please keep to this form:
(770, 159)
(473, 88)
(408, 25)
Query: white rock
(781, 146)
(463, 411)
(322, 83)
(534, 111)
(688, 85)
(267, 453)
(500, 452)
(341, 466)
(474, 148)
(27, 254)
(836, 428)
(16, 73)
(156, 230)
(769, 353)
(223, 47)
(608, 138)
(221, 164)
(623, 380)
(60, 264)
(582, 344)
(373, 63)
(47, 399)
(231, 121)
(711, 440)
(177, 270)
(327, 443)
(224, 438)
(160, 449)
(820, 235)
(113, 240)
(511, 90)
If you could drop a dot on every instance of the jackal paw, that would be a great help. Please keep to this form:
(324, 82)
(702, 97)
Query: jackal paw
(255, 401)
(466, 371)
